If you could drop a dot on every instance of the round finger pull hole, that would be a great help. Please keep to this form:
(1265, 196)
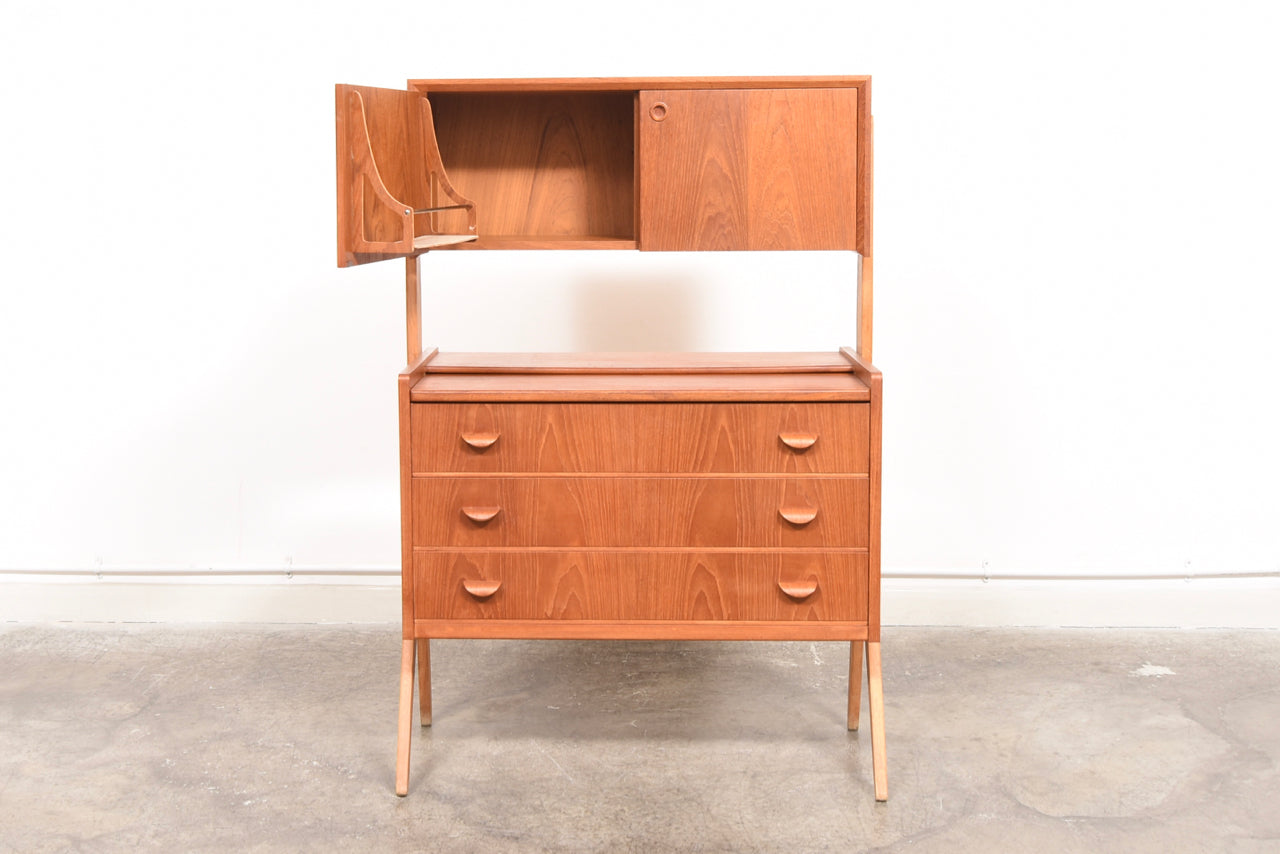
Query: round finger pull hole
(658, 111)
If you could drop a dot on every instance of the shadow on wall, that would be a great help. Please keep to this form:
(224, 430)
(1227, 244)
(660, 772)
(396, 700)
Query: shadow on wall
(645, 313)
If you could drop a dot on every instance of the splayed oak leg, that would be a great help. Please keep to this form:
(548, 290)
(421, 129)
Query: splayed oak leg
(405, 730)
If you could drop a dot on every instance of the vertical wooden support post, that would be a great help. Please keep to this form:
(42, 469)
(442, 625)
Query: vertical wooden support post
(424, 681)
(865, 309)
(413, 308)
(875, 688)
(408, 647)
(855, 682)
(405, 730)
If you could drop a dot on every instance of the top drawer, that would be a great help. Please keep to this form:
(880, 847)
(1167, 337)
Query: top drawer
(755, 438)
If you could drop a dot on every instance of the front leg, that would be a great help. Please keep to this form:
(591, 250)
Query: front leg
(405, 730)
(875, 686)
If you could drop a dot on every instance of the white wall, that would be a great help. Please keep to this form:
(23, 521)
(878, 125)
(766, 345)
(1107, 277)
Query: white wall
(1076, 294)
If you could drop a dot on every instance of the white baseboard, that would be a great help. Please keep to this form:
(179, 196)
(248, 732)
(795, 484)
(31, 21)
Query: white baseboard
(178, 600)
(1251, 602)
(374, 597)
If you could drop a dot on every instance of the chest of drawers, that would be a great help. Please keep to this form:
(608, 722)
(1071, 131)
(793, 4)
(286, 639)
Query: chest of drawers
(640, 496)
(590, 512)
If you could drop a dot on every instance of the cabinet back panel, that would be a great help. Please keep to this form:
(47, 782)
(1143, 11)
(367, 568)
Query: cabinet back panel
(559, 164)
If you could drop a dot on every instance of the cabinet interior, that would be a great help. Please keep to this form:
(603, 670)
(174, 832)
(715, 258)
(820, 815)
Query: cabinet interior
(553, 168)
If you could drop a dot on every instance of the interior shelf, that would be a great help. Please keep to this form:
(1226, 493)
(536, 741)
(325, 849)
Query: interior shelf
(436, 241)
(548, 241)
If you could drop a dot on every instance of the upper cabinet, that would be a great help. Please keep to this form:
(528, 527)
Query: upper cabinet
(748, 169)
(667, 164)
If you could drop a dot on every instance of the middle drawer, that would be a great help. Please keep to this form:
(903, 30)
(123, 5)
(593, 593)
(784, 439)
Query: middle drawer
(637, 511)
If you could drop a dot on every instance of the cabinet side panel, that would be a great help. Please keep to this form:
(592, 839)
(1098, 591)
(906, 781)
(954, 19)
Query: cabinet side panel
(407, 412)
(866, 168)
(873, 534)
(693, 170)
(802, 178)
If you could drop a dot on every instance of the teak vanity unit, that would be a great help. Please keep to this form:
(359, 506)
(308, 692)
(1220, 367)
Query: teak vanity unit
(630, 496)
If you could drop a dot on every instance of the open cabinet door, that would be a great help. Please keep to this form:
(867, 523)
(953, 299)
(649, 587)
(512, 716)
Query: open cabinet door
(392, 190)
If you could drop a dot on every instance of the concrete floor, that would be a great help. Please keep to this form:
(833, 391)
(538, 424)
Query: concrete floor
(162, 738)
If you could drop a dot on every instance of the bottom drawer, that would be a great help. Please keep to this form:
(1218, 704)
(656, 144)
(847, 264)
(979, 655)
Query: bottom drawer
(548, 585)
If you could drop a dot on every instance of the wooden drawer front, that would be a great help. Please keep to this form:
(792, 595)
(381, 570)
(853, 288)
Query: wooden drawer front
(662, 437)
(764, 512)
(630, 586)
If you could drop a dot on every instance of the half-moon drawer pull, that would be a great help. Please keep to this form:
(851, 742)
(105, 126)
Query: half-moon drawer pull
(798, 441)
(480, 441)
(799, 589)
(798, 515)
(481, 588)
(480, 515)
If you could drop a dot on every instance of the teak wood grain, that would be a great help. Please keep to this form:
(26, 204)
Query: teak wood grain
(743, 169)
(390, 177)
(377, 143)
(640, 512)
(694, 586)
(658, 388)
(693, 170)
(541, 165)
(802, 185)
(606, 437)
(875, 424)
(408, 376)
(866, 290)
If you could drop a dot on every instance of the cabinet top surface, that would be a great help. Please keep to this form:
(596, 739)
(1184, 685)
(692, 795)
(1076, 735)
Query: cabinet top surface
(638, 363)
(619, 84)
(640, 377)
(651, 388)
